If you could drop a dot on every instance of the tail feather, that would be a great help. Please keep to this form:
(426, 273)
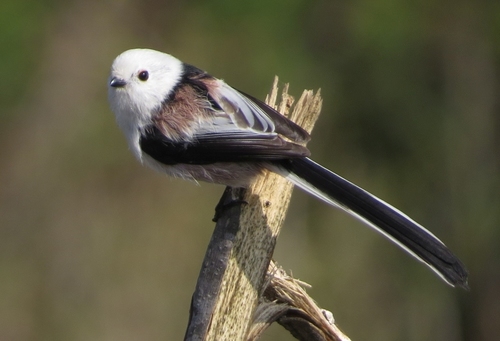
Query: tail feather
(391, 222)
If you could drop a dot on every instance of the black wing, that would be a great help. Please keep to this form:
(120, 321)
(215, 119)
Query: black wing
(214, 147)
(245, 111)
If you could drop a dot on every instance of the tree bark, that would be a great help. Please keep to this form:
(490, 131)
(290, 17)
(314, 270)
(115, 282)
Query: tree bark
(234, 275)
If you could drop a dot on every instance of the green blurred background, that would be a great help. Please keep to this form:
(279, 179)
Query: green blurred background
(95, 247)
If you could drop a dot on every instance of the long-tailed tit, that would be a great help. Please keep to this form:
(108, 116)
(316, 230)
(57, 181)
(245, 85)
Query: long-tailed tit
(181, 121)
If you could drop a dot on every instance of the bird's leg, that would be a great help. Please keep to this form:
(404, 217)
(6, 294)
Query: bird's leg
(230, 197)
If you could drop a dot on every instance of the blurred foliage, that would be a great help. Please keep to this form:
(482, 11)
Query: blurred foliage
(94, 246)
(20, 24)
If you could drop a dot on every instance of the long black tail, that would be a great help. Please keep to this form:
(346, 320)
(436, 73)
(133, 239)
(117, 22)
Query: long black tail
(388, 220)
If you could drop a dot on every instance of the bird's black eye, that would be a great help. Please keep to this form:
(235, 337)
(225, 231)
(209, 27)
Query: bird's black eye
(143, 75)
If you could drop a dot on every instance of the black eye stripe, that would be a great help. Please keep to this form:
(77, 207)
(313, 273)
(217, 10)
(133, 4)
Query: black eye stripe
(143, 75)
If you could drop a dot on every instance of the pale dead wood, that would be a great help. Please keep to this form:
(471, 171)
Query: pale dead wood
(286, 301)
(233, 276)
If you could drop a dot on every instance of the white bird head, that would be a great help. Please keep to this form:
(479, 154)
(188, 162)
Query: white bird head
(139, 82)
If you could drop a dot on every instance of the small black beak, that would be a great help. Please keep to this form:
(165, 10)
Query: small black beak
(116, 82)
